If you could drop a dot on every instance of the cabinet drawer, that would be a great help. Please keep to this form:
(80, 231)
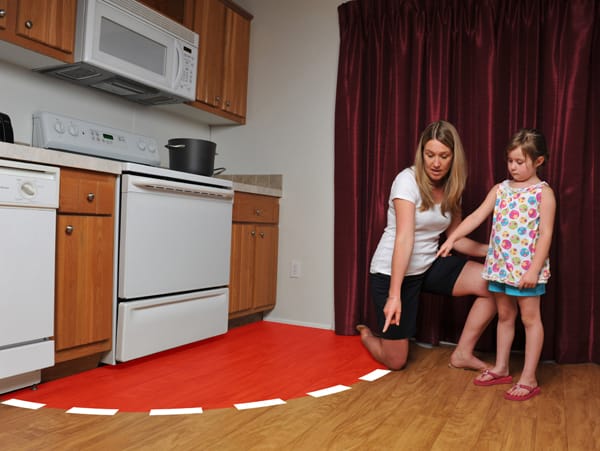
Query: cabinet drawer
(255, 208)
(86, 192)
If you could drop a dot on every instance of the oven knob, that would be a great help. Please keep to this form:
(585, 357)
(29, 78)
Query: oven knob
(141, 145)
(59, 127)
(152, 147)
(28, 189)
(73, 130)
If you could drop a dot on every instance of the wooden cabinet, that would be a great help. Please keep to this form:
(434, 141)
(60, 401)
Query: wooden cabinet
(46, 27)
(3, 17)
(173, 9)
(223, 53)
(254, 244)
(84, 264)
(223, 58)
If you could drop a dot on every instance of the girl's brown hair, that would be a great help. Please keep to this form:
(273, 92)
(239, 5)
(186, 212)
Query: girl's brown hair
(532, 142)
(454, 183)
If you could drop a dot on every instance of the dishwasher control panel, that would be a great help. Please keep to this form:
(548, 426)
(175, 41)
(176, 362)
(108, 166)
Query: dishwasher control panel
(28, 184)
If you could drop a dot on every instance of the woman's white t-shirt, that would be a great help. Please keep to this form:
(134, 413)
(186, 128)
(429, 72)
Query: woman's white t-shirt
(429, 225)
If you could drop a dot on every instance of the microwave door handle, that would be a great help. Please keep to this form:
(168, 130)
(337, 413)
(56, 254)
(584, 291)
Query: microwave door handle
(179, 66)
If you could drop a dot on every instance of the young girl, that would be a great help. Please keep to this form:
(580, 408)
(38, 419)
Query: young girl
(516, 266)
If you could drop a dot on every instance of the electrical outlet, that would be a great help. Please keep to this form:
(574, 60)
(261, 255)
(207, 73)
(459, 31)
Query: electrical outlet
(296, 269)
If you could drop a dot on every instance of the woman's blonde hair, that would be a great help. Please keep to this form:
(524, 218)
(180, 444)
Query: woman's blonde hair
(455, 180)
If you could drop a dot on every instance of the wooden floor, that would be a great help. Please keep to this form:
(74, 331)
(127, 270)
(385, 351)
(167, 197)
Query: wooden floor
(427, 406)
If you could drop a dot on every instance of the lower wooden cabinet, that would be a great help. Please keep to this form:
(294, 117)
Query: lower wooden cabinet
(254, 250)
(84, 265)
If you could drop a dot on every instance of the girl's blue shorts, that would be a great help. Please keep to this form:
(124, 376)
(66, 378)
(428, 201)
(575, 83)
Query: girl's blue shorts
(496, 287)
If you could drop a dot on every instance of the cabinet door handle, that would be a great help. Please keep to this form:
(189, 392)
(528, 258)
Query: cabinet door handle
(28, 24)
(258, 212)
(262, 234)
(228, 103)
(2, 13)
(91, 197)
(253, 233)
(69, 230)
(217, 99)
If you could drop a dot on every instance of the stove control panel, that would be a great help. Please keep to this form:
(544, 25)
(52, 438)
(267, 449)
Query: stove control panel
(55, 131)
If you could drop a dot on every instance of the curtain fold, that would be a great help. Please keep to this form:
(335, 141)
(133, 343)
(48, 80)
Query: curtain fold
(489, 67)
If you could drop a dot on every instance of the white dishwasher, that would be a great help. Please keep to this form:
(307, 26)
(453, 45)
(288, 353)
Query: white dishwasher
(28, 203)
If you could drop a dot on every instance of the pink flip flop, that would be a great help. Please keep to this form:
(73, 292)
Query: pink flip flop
(496, 379)
(531, 392)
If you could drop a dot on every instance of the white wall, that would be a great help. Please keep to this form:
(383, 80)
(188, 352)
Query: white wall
(24, 92)
(290, 130)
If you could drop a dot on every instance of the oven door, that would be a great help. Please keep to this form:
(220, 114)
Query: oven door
(174, 237)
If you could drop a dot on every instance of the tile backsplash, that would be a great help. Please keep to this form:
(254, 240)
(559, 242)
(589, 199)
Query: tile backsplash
(274, 181)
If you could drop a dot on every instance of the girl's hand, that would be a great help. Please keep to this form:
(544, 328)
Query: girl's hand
(445, 249)
(392, 311)
(529, 280)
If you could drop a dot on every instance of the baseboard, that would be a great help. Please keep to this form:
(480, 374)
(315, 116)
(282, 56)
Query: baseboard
(243, 320)
(274, 319)
(70, 367)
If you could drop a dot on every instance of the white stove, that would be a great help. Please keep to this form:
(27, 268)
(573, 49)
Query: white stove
(173, 234)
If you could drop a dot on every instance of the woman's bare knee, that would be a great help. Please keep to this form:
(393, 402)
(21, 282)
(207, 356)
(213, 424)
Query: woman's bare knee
(395, 353)
(397, 364)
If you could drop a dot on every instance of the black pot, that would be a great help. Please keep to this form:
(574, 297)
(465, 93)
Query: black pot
(193, 155)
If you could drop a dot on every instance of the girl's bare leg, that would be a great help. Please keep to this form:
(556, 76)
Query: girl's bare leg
(534, 340)
(507, 313)
(470, 282)
(391, 353)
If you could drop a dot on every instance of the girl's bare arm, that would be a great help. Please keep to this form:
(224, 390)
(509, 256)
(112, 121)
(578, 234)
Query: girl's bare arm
(470, 223)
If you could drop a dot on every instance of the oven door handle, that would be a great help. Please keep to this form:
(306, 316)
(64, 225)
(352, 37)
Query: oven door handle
(174, 188)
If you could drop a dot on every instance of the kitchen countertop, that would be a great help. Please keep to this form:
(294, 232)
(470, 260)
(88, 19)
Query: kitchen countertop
(57, 158)
(268, 185)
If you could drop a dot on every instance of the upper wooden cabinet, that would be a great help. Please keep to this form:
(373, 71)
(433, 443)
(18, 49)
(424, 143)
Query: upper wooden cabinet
(173, 9)
(237, 52)
(46, 27)
(223, 53)
(3, 18)
(224, 31)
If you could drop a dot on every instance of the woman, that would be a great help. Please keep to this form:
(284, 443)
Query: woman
(425, 202)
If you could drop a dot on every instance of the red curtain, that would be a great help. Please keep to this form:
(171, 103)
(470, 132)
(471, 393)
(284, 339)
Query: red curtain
(490, 67)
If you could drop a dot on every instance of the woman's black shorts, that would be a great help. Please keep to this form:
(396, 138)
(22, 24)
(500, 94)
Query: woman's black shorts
(438, 279)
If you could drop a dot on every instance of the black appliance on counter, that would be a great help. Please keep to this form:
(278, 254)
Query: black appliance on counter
(6, 131)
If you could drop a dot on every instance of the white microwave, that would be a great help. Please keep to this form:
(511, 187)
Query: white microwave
(130, 50)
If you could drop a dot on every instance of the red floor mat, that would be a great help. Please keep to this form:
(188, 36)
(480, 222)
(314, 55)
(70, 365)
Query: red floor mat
(259, 361)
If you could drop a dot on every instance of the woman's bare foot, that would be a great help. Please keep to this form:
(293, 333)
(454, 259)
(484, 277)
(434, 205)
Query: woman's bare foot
(466, 362)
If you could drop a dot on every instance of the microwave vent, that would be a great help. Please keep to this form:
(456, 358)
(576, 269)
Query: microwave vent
(77, 72)
(159, 100)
